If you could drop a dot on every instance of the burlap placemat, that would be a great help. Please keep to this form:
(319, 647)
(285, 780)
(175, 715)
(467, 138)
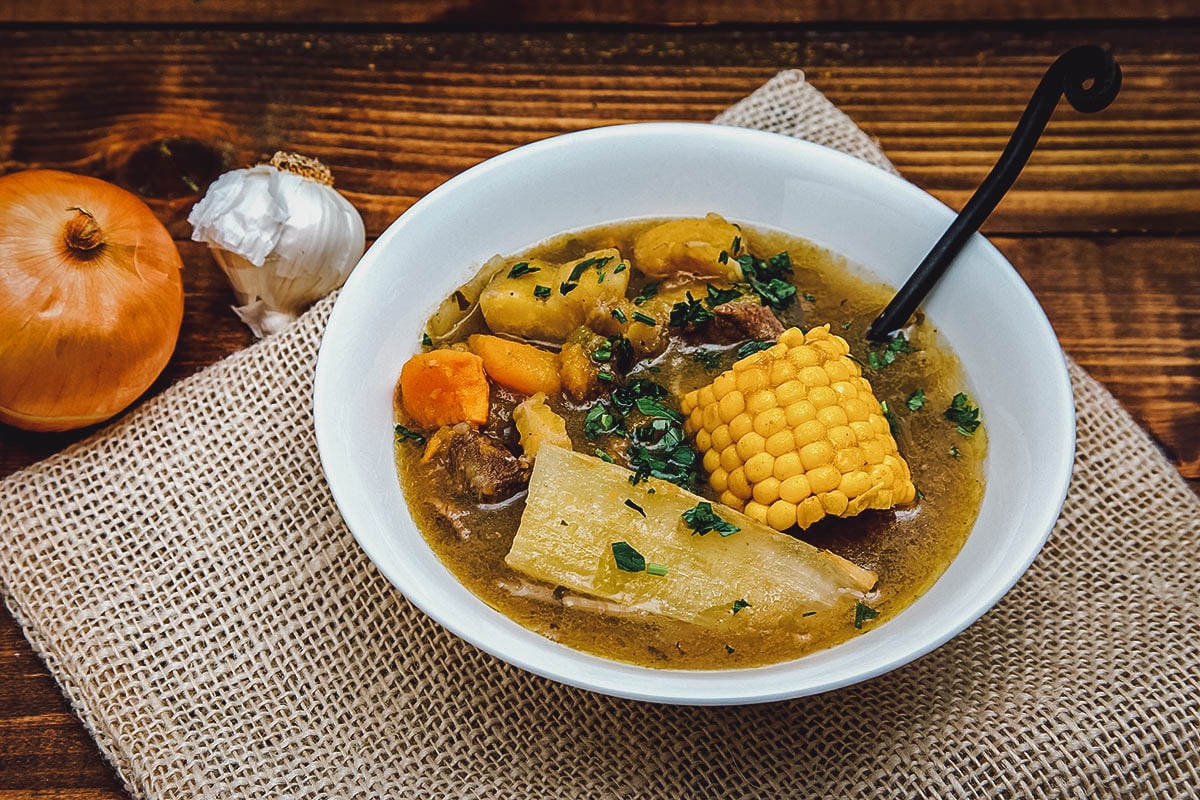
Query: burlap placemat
(190, 584)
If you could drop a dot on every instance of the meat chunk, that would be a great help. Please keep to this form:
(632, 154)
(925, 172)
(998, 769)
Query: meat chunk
(482, 467)
(737, 321)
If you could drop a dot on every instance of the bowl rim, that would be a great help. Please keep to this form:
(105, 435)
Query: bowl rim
(325, 399)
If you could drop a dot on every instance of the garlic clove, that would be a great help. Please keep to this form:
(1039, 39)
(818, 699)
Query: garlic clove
(283, 236)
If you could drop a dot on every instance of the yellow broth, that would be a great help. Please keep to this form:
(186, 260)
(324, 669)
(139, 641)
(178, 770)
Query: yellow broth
(908, 547)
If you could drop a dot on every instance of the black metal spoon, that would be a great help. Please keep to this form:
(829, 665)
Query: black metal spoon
(1090, 78)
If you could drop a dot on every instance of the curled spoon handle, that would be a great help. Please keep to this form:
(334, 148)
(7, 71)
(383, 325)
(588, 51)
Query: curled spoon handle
(1090, 78)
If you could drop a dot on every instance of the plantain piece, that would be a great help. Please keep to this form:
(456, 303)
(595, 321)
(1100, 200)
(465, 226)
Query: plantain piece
(542, 301)
(705, 247)
(579, 507)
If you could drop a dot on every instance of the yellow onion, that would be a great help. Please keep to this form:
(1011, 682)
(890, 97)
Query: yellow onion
(91, 299)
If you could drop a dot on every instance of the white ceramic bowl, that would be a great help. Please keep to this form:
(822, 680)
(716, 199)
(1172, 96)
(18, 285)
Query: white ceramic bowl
(1014, 367)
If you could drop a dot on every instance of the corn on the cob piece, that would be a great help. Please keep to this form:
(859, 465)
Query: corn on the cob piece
(793, 433)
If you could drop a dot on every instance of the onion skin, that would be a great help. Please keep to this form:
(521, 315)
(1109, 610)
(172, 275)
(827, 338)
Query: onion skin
(91, 299)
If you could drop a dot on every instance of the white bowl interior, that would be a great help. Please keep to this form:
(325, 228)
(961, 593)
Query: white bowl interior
(1015, 369)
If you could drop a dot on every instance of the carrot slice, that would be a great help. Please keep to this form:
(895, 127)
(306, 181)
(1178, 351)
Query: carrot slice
(444, 387)
(521, 367)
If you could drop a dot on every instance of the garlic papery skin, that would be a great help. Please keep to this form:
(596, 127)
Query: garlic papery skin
(282, 234)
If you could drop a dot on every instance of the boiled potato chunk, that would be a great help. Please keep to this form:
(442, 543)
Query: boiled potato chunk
(538, 425)
(576, 510)
(690, 246)
(592, 284)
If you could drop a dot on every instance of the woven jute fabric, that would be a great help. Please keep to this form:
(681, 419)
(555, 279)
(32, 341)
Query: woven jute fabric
(188, 581)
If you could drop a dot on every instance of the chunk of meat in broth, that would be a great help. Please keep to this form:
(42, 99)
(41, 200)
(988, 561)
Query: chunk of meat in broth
(481, 467)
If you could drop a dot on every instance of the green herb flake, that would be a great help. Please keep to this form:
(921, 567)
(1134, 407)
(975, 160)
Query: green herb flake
(737, 245)
(809, 614)
(541, 291)
(628, 559)
(715, 297)
(708, 358)
(916, 400)
(603, 456)
(583, 266)
(920, 494)
(620, 268)
(723, 257)
(645, 319)
(702, 519)
(648, 291)
(878, 359)
(688, 312)
(750, 348)
(729, 650)
(846, 325)
(650, 490)
(605, 375)
(738, 605)
(566, 287)
(892, 420)
(619, 316)
(653, 408)
(964, 415)
(862, 613)
(636, 507)
(404, 434)
(599, 421)
(522, 268)
(426, 341)
(954, 452)
(656, 569)
(810, 297)
(769, 279)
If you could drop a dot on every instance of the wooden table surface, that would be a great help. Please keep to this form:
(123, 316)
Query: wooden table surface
(397, 97)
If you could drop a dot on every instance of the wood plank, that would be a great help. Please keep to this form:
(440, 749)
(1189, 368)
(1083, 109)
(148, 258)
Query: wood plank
(398, 114)
(672, 12)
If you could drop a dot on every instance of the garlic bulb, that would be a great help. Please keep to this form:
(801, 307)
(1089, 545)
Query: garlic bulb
(283, 236)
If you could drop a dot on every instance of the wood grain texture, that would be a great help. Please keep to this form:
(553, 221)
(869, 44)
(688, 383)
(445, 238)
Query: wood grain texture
(510, 12)
(1104, 225)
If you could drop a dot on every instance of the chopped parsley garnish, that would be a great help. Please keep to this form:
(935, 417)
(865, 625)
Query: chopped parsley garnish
(655, 569)
(708, 358)
(750, 348)
(718, 297)
(566, 287)
(628, 559)
(954, 452)
(678, 464)
(425, 340)
(605, 375)
(625, 398)
(729, 650)
(702, 519)
(846, 325)
(769, 279)
(657, 446)
(648, 291)
(541, 291)
(689, 312)
(403, 433)
(723, 257)
(522, 268)
(653, 408)
(620, 268)
(878, 359)
(916, 400)
(619, 316)
(863, 613)
(582, 267)
(645, 319)
(963, 414)
(618, 350)
(920, 494)
(737, 245)
(809, 614)
(599, 421)
(603, 456)
(636, 507)
(892, 420)
(810, 297)
(738, 605)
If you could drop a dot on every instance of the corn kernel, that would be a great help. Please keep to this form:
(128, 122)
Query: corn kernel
(845, 390)
(739, 485)
(688, 403)
(791, 337)
(752, 379)
(849, 459)
(781, 515)
(822, 396)
(800, 412)
(703, 440)
(824, 479)
(732, 500)
(718, 479)
(766, 491)
(834, 503)
(790, 392)
(782, 372)
(756, 511)
(730, 460)
(832, 416)
(731, 405)
(750, 445)
(788, 465)
(837, 371)
(740, 425)
(759, 467)
(853, 484)
(711, 417)
(816, 454)
(712, 461)
(873, 450)
(841, 436)
(704, 397)
(761, 401)
(794, 489)
(770, 422)
(723, 385)
(856, 410)
(781, 443)
(721, 439)
(809, 511)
